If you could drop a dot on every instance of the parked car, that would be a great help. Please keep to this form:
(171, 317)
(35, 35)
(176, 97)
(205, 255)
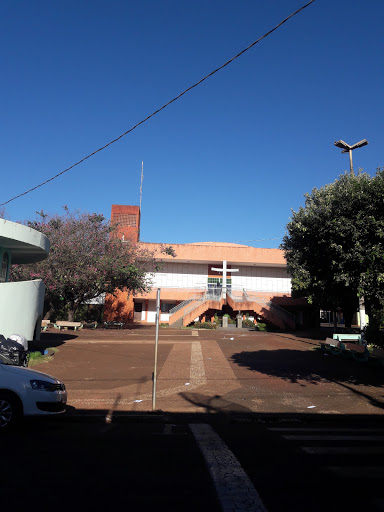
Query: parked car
(27, 392)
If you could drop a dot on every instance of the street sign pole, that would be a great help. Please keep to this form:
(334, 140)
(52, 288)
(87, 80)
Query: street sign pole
(156, 345)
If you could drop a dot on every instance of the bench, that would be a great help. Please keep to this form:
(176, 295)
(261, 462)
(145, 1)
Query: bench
(63, 324)
(45, 324)
(347, 337)
(333, 346)
(90, 325)
(357, 352)
(113, 324)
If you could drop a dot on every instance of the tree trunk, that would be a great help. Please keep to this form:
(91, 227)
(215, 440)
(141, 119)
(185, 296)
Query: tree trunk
(334, 319)
(71, 314)
(49, 313)
(348, 316)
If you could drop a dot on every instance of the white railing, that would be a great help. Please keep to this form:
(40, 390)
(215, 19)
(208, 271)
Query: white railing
(193, 297)
(238, 295)
(277, 309)
(210, 294)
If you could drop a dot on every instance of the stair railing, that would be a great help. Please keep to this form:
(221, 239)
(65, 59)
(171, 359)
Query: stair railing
(281, 312)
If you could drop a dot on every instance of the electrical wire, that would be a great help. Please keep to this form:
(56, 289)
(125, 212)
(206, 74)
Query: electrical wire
(163, 107)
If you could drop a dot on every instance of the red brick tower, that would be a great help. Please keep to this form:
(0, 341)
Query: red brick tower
(128, 220)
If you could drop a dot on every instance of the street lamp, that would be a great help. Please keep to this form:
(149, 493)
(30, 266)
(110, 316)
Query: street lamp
(348, 149)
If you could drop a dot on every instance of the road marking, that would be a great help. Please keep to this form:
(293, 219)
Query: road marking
(358, 472)
(321, 429)
(234, 489)
(343, 450)
(332, 438)
(173, 369)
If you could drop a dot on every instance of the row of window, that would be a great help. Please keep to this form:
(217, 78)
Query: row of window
(218, 280)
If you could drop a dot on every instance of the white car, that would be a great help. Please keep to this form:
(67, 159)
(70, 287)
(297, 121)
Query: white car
(26, 392)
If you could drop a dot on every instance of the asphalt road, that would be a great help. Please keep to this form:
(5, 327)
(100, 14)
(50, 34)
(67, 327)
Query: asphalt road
(155, 462)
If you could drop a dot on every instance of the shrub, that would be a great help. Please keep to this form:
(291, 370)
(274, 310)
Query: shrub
(260, 327)
(374, 335)
(248, 323)
(204, 325)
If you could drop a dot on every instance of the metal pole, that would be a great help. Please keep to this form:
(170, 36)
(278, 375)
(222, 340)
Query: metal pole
(350, 161)
(156, 346)
(224, 279)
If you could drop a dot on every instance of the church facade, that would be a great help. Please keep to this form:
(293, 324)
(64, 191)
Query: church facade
(205, 279)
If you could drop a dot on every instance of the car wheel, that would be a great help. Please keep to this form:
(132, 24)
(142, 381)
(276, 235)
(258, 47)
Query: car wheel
(10, 410)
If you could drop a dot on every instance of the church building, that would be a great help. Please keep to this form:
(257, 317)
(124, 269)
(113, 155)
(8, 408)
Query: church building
(205, 279)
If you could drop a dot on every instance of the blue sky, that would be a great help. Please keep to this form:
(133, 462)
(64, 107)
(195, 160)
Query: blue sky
(226, 162)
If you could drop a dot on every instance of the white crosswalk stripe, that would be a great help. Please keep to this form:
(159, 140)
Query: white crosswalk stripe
(346, 454)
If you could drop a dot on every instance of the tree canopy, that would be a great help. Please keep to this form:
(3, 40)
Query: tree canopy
(86, 260)
(334, 245)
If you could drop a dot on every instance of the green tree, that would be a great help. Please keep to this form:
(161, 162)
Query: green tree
(86, 260)
(334, 245)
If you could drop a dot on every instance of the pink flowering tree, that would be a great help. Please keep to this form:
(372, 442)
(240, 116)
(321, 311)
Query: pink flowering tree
(85, 261)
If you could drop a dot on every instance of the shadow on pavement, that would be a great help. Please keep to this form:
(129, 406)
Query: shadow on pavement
(314, 369)
(151, 460)
(51, 339)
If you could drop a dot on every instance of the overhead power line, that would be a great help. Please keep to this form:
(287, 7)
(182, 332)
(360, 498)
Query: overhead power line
(163, 107)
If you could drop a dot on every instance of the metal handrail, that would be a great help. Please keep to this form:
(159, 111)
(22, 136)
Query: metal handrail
(208, 295)
(236, 298)
(184, 303)
(279, 310)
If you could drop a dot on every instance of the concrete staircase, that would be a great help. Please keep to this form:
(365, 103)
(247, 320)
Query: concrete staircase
(271, 312)
(186, 312)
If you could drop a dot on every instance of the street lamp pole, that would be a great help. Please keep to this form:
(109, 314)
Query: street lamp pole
(346, 148)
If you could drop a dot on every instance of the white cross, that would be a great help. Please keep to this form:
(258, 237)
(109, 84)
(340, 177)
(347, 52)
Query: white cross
(224, 270)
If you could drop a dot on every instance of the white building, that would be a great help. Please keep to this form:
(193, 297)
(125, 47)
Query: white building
(21, 303)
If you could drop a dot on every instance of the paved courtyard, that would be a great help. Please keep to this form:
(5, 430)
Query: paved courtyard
(245, 421)
(234, 371)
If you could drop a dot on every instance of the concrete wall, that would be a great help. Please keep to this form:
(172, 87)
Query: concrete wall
(262, 279)
(21, 306)
(181, 275)
(194, 275)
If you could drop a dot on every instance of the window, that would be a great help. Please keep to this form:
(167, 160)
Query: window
(216, 282)
(166, 306)
(4, 268)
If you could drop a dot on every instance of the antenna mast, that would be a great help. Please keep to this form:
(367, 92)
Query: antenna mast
(141, 195)
(141, 184)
